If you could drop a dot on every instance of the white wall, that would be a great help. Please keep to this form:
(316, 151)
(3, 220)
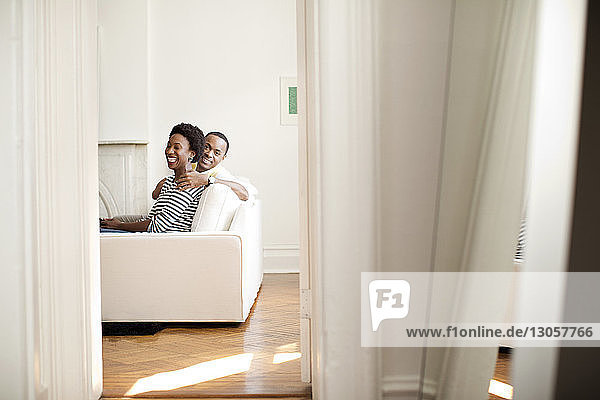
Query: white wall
(413, 45)
(475, 45)
(381, 85)
(483, 185)
(123, 69)
(475, 41)
(215, 64)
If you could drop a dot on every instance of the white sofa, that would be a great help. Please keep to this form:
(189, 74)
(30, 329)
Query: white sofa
(210, 275)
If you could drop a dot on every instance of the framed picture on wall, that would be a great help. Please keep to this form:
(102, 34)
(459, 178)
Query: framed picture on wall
(288, 100)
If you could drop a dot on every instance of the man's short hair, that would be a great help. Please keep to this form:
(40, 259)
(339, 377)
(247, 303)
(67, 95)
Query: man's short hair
(194, 136)
(222, 136)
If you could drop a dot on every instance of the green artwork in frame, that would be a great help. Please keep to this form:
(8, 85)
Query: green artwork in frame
(293, 100)
(288, 89)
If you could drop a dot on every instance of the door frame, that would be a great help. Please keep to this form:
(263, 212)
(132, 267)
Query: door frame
(310, 195)
(554, 138)
(56, 123)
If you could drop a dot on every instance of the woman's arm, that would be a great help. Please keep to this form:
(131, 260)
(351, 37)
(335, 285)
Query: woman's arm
(139, 226)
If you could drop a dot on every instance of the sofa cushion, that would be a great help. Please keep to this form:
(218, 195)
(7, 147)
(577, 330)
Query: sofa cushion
(216, 209)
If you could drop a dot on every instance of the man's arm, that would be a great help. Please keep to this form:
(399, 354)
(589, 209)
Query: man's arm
(196, 179)
(158, 188)
(237, 188)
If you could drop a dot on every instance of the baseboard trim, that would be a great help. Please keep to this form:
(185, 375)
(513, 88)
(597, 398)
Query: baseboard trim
(281, 259)
(405, 387)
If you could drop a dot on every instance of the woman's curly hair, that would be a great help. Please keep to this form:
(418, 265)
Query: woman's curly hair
(194, 136)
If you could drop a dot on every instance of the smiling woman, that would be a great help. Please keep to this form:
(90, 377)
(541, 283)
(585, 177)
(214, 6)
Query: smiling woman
(174, 209)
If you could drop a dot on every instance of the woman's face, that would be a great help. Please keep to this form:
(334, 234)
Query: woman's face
(178, 152)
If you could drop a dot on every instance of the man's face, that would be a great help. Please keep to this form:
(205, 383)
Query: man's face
(214, 153)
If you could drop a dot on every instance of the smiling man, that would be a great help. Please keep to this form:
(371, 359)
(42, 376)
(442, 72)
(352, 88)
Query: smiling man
(208, 170)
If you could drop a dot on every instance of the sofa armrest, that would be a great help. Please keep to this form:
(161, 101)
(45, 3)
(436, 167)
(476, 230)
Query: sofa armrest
(247, 222)
(171, 277)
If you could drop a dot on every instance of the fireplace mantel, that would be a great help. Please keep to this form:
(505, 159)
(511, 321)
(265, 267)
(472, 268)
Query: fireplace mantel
(116, 142)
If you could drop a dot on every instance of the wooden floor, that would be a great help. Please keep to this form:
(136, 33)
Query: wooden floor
(502, 371)
(200, 361)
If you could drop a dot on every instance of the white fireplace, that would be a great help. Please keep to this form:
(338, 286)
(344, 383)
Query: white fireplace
(122, 174)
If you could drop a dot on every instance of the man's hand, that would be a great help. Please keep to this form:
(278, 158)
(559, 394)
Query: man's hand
(192, 179)
(111, 223)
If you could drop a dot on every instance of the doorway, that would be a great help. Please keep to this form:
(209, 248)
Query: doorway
(211, 65)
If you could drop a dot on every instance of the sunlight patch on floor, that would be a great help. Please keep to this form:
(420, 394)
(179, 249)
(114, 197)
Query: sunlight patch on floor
(285, 357)
(198, 373)
(500, 389)
(288, 348)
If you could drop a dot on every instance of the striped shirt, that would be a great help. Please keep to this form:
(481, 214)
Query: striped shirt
(174, 209)
(521, 242)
